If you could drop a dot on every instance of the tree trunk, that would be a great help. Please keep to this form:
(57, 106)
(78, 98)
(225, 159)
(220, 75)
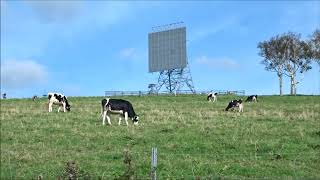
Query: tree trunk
(280, 83)
(293, 85)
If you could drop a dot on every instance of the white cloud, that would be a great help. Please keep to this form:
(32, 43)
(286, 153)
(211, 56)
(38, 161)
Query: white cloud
(25, 34)
(213, 28)
(128, 53)
(133, 54)
(223, 62)
(81, 14)
(22, 74)
(55, 11)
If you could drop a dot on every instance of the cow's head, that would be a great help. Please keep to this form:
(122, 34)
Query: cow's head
(135, 120)
(68, 107)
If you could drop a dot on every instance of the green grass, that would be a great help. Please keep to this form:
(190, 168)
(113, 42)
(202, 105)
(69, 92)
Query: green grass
(278, 137)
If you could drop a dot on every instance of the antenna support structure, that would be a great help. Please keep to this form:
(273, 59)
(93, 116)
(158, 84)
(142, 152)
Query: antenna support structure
(168, 57)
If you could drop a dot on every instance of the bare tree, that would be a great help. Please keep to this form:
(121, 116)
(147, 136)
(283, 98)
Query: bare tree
(295, 53)
(274, 60)
(288, 55)
(314, 46)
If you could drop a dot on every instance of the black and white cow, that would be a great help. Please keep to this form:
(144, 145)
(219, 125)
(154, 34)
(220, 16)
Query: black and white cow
(253, 98)
(34, 97)
(235, 104)
(118, 106)
(60, 100)
(212, 97)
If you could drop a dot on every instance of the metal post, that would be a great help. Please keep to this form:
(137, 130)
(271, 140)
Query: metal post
(154, 164)
(169, 74)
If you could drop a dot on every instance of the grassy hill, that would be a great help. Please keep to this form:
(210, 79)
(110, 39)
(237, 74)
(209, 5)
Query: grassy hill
(278, 137)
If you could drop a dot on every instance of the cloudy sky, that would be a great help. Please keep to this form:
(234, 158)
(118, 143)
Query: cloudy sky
(82, 48)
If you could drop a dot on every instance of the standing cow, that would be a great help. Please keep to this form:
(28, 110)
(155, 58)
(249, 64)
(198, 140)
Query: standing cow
(118, 106)
(60, 100)
(212, 97)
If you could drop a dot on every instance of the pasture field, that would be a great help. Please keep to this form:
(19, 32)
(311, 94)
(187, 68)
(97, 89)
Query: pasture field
(276, 138)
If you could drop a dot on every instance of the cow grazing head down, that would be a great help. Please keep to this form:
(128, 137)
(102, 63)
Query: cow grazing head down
(252, 98)
(135, 120)
(235, 104)
(34, 97)
(118, 106)
(60, 100)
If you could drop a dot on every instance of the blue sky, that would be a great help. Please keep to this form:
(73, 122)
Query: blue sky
(82, 48)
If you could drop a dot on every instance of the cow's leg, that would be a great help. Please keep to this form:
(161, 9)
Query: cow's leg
(104, 117)
(59, 108)
(50, 106)
(64, 106)
(109, 121)
(120, 119)
(214, 99)
(126, 117)
(240, 108)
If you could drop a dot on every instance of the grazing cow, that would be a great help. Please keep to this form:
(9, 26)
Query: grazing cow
(212, 97)
(60, 100)
(118, 106)
(4, 96)
(253, 98)
(235, 104)
(34, 97)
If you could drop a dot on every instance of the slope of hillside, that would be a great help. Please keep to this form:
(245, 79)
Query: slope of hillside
(278, 137)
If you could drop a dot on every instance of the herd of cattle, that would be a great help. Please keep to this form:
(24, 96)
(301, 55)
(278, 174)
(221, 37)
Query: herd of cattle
(124, 108)
(212, 97)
